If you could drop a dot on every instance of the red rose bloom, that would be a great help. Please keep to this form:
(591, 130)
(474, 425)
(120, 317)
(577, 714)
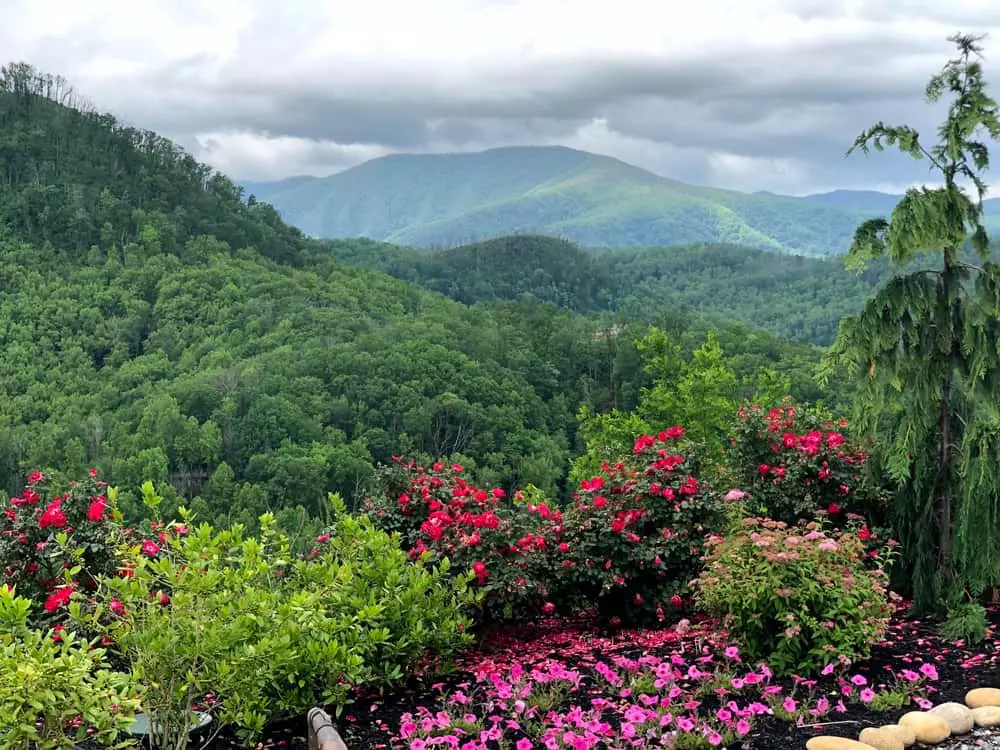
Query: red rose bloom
(96, 510)
(150, 548)
(53, 516)
(479, 568)
(58, 598)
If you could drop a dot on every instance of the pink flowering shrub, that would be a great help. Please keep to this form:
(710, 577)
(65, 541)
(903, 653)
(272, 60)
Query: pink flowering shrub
(507, 547)
(31, 524)
(796, 464)
(633, 538)
(797, 597)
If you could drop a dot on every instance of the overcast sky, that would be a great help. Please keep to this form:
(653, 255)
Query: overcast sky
(745, 94)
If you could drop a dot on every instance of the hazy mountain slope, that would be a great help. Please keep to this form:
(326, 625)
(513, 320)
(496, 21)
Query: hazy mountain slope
(445, 200)
(872, 202)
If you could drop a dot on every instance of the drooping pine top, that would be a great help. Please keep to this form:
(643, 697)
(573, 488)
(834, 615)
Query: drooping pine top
(925, 351)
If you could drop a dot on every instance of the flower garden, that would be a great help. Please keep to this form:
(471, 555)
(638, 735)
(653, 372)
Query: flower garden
(679, 600)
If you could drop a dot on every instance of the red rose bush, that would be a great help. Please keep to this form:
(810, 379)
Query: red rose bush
(796, 464)
(626, 547)
(52, 544)
(634, 536)
(507, 547)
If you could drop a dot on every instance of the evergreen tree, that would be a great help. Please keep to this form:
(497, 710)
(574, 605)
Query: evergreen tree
(926, 349)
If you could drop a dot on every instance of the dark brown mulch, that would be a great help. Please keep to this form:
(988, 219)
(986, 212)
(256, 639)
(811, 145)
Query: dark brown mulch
(372, 722)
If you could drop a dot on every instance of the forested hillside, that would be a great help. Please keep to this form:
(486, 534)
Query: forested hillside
(792, 296)
(156, 327)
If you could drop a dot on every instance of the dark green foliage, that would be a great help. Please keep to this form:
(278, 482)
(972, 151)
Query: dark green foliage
(520, 266)
(926, 349)
(77, 178)
(790, 295)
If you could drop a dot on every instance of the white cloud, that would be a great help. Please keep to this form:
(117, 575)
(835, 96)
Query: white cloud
(258, 156)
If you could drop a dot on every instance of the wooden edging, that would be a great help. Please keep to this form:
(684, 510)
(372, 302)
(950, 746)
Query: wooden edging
(321, 733)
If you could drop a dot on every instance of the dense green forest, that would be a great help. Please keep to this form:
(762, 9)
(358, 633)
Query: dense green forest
(156, 326)
(790, 295)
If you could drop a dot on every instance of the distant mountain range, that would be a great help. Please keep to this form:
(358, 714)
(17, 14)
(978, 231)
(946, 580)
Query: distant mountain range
(444, 200)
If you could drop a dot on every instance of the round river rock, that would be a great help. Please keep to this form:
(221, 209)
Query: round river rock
(835, 743)
(987, 716)
(959, 717)
(980, 697)
(881, 739)
(928, 728)
(903, 734)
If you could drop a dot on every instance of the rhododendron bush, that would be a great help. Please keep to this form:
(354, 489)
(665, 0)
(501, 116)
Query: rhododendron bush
(798, 597)
(626, 546)
(795, 463)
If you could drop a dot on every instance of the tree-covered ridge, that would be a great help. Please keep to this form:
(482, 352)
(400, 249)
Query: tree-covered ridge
(534, 266)
(792, 296)
(445, 200)
(154, 326)
(76, 178)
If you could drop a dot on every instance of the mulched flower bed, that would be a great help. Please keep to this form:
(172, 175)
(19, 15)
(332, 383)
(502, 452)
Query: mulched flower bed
(605, 663)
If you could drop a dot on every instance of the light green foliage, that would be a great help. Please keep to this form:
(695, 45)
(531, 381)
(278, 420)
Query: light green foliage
(797, 598)
(221, 612)
(49, 679)
(698, 390)
(608, 437)
(700, 394)
(924, 351)
(406, 612)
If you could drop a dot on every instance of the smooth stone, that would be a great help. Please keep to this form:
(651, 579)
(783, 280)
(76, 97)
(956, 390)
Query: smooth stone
(880, 739)
(986, 716)
(959, 717)
(927, 728)
(835, 743)
(903, 734)
(982, 697)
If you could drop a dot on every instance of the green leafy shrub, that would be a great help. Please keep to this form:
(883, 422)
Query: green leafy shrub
(198, 615)
(56, 690)
(797, 463)
(219, 612)
(406, 615)
(798, 597)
